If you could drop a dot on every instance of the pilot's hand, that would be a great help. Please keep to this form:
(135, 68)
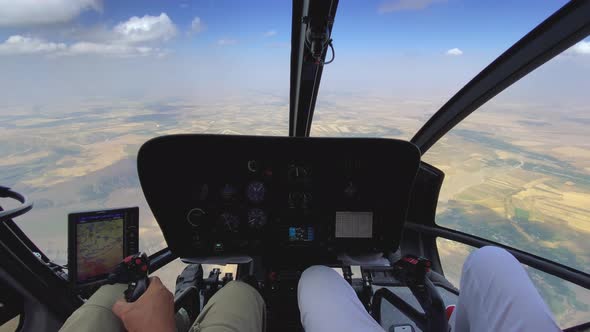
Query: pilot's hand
(153, 311)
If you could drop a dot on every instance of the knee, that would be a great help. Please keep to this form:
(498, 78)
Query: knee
(316, 270)
(489, 254)
(240, 288)
(316, 273)
(238, 291)
(489, 258)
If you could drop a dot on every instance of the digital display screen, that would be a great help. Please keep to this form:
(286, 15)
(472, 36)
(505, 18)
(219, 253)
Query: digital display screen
(354, 225)
(301, 233)
(99, 245)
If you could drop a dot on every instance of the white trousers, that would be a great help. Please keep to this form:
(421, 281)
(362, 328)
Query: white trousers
(496, 295)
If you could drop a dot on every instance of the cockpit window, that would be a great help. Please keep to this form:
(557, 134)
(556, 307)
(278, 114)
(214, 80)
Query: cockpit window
(85, 83)
(517, 171)
(398, 62)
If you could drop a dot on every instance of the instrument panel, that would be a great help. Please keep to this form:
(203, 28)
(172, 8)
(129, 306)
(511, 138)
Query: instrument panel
(275, 196)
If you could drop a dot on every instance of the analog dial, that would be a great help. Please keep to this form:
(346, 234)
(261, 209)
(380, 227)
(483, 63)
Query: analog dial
(196, 217)
(256, 191)
(230, 222)
(256, 218)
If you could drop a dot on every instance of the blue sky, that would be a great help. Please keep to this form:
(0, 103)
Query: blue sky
(186, 46)
(429, 25)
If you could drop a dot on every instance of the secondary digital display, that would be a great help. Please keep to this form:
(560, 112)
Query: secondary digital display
(354, 224)
(99, 245)
(301, 233)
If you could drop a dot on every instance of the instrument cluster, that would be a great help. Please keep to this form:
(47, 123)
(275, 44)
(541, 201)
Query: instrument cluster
(280, 197)
(256, 197)
(233, 206)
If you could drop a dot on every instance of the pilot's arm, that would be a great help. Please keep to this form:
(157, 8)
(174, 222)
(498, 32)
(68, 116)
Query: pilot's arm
(107, 311)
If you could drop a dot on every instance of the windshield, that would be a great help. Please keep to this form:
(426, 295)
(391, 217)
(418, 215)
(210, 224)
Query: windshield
(85, 82)
(398, 62)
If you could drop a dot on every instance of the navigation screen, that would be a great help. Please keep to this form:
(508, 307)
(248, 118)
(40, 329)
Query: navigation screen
(99, 245)
(301, 233)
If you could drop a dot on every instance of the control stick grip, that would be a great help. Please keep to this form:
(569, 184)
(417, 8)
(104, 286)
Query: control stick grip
(136, 289)
(133, 270)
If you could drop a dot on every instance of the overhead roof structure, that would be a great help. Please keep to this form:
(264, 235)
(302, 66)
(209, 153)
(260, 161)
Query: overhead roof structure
(311, 19)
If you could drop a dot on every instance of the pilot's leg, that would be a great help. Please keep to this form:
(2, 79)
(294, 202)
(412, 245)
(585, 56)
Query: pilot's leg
(235, 307)
(328, 303)
(96, 314)
(497, 295)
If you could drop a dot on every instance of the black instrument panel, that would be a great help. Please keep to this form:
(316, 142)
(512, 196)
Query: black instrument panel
(216, 195)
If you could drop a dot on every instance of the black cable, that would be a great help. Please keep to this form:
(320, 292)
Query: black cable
(328, 44)
(333, 53)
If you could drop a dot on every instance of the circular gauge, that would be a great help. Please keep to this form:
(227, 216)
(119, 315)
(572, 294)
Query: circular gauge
(229, 192)
(195, 217)
(256, 191)
(299, 200)
(253, 166)
(297, 173)
(230, 222)
(256, 218)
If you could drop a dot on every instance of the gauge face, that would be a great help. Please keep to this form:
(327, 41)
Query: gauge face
(228, 192)
(256, 218)
(196, 217)
(256, 191)
(253, 166)
(297, 173)
(230, 222)
(299, 199)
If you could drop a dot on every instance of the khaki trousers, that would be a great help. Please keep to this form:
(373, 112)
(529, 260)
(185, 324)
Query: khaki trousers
(235, 307)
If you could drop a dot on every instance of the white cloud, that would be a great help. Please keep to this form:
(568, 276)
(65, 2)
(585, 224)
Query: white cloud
(26, 45)
(390, 6)
(197, 25)
(581, 48)
(270, 33)
(225, 42)
(454, 51)
(146, 29)
(134, 37)
(36, 12)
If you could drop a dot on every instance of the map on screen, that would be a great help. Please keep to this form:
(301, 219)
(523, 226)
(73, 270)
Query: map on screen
(99, 246)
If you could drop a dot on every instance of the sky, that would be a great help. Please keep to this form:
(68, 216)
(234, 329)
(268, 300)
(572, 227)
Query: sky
(55, 49)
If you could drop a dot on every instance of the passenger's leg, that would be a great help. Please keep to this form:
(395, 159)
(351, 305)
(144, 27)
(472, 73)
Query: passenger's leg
(96, 314)
(328, 303)
(235, 307)
(497, 295)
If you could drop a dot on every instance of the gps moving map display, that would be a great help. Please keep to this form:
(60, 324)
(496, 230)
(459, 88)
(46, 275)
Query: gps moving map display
(100, 246)
(99, 240)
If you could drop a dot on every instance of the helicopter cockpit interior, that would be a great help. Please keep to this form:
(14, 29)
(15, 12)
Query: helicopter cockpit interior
(276, 205)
